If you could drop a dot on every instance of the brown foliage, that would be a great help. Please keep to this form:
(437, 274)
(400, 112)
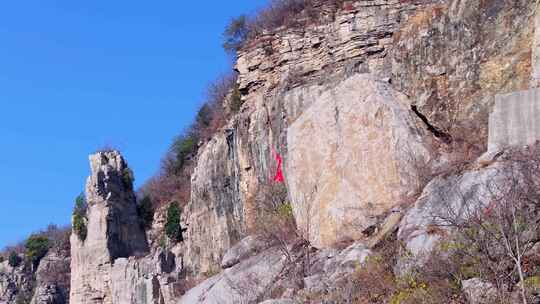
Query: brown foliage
(275, 222)
(495, 232)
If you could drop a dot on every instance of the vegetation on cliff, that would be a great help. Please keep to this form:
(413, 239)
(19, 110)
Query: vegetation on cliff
(79, 217)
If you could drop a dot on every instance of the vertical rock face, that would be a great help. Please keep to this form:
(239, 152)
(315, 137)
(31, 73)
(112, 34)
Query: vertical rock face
(13, 281)
(234, 164)
(535, 79)
(215, 212)
(114, 230)
(52, 279)
(452, 58)
(352, 156)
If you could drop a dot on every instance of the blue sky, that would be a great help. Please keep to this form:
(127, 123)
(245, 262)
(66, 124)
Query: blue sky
(78, 75)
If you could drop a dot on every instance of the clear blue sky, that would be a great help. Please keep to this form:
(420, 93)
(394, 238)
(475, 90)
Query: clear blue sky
(77, 75)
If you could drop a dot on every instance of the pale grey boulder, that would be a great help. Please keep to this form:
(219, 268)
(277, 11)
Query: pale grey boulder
(248, 246)
(245, 282)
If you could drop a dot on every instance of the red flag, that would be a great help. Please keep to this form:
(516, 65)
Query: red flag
(278, 178)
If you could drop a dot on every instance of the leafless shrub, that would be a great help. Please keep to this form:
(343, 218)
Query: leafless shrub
(290, 13)
(496, 228)
(275, 222)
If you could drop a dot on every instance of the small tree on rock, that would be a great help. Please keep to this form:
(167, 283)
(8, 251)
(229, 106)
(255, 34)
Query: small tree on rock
(146, 211)
(36, 248)
(14, 260)
(173, 228)
(79, 217)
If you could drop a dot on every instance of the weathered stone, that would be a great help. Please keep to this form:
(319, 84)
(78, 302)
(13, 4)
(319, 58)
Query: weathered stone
(535, 79)
(278, 301)
(243, 283)
(514, 120)
(52, 279)
(389, 226)
(215, 214)
(13, 281)
(114, 230)
(336, 149)
(335, 265)
(245, 248)
(452, 58)
(479, 292)
(452, 198)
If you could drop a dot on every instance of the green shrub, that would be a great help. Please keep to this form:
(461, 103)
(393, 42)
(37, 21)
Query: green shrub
(173, 228)
(80, 205)
(182, 147)
(79, 217)
(79, 226)
(236, 100)
(128, 178)
(14, 260)
(36, 248)
(2, 259)
(204, 116)
(146, 211)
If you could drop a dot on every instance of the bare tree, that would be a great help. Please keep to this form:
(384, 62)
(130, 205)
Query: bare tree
(497, 223)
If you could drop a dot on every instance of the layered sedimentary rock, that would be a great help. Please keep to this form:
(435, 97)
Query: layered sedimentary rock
(236, 163)
(353, 155)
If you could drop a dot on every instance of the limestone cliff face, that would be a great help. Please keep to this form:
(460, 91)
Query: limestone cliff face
(52, 283)
(452, 58)
(215, 213)
(335, 101)
(448, 58)
(234, 165)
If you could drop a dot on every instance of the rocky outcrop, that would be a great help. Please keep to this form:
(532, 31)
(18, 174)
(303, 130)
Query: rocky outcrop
(361, 106)
(53, 279)
(356, 38)
(245, 248)
(452, 58)
(113, 264)
(244, 283)
(114, 230)
(215, 214)
(336, 149)
(236, 163)
(15, 282)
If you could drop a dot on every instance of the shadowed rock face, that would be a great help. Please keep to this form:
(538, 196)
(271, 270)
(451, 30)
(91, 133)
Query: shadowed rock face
(114, 229)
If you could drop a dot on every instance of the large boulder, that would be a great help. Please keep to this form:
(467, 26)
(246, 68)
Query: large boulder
(353, 155)
(244, 283)
(248, 246)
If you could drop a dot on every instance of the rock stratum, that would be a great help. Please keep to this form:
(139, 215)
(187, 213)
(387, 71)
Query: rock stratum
(374, 113)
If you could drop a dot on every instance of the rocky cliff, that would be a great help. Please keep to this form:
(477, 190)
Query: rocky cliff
(379, 112)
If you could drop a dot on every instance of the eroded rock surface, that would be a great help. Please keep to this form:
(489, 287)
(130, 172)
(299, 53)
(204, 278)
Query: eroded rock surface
(354, 154)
